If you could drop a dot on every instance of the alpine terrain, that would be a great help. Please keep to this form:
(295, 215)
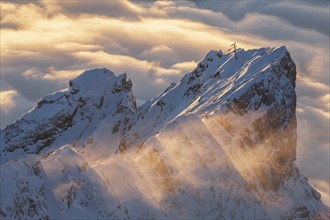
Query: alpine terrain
(220, 144)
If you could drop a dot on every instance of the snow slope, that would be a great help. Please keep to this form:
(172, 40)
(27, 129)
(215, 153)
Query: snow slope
(220, 144)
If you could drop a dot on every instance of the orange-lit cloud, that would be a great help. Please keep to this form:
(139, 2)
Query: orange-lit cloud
(6, 100)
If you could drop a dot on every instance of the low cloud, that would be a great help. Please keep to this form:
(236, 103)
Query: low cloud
(7, 100)
(9, 108)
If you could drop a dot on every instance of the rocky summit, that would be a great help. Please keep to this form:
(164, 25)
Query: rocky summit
(220, 144)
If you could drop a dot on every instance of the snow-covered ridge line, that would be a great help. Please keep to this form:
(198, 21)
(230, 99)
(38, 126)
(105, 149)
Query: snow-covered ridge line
(220, 144)
(213, 84)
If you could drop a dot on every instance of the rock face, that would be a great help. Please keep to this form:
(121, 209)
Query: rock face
(220, 144)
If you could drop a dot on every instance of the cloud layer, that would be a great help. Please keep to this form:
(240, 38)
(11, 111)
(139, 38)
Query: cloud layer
(46, 43)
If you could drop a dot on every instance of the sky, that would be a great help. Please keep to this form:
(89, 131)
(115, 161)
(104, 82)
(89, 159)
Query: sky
(44, 44)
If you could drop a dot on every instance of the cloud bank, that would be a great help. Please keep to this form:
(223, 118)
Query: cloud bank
(46, 43)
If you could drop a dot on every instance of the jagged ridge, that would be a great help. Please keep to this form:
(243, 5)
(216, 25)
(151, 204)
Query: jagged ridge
(219, 144)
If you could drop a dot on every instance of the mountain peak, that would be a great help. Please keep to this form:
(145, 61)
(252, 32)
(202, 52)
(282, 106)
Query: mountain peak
(218, 82)
(223, 139)
(92, 96)
(96, 82)
(92, 76)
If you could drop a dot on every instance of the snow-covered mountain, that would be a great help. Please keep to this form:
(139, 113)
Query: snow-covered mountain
(220, 144)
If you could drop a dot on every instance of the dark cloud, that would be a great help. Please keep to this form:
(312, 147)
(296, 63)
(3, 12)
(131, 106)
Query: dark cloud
(10, 25)
(305, 14)
(42, 60)
(31, 88)
(275, 28)
(267, 25)
(233, 10)
(113, 9)
(24, 2)
(310, 17)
